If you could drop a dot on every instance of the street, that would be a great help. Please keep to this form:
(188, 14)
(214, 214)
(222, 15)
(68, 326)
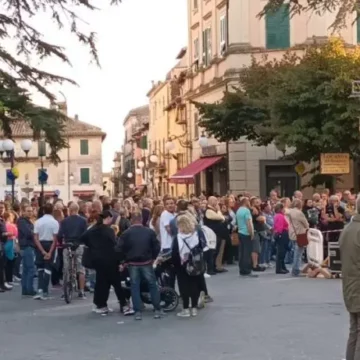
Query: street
(268, 318)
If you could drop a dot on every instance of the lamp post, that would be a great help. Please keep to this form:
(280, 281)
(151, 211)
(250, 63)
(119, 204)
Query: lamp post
(8, 146)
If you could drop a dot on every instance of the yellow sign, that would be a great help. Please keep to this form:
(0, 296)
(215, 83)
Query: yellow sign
(300, 168)
(332, 164)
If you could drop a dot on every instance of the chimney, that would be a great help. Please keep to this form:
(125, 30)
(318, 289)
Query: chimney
(76, 117)
(152, 83)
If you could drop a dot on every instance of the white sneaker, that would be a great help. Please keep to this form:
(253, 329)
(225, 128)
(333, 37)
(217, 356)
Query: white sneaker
(194, 312)
(39, 295)
(102, 311)
(184, 313)
(8, 286)
(207, 276)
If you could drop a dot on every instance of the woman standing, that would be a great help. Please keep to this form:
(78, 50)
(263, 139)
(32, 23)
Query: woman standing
(12, 236)
(186, 243)
(155, 219)
(281, 230)
(100, 239)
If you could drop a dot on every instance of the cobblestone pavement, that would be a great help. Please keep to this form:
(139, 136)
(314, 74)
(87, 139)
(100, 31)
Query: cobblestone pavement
(269, 318)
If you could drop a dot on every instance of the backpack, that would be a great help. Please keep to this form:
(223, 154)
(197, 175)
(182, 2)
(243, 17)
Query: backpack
(210, 237)
(195, 264)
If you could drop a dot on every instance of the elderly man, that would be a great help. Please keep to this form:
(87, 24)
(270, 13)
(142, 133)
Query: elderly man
(350, 259)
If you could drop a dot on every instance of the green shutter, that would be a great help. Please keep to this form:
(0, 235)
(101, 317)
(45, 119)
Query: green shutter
(143, 142)
(84, 147)
(42, 148)
(85, 176)
(278, 28)
(39, 171)
(358, 28)
(8, 181)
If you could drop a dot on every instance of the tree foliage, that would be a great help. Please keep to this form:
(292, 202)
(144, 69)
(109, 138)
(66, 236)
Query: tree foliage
(299, 103)
(342, 8)
(17, 18)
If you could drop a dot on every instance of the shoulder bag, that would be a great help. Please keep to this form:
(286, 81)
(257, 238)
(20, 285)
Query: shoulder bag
(301, 239)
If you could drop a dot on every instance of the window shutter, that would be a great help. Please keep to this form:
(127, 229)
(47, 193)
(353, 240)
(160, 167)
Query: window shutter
(84, 147)
(278, 28)
(204, 47)
(209, 54)
(42, 148)
(85, 176)
(143, 142)
(358, 28)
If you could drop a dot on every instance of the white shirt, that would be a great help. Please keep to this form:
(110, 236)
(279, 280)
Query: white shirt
(46, 227)
(165, 237)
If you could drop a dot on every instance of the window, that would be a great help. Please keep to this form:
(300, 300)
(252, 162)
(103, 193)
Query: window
(223, 34)
(196, 49)
(8, 181)
(42, 148)
(195, 4)
(196, 125)
(143, 142)
(39, 172)
(207, 53)
(277, 26)
(85, 176)
(180, 161)
(84, 147)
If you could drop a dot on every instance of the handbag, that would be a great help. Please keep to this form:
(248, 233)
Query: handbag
(301, 239)
(235, 239)
(87, 260)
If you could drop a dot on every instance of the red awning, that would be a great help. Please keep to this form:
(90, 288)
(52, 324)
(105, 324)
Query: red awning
(46, 193)
(187, 174)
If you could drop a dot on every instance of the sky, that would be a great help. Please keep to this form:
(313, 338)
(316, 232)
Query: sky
(137, 41)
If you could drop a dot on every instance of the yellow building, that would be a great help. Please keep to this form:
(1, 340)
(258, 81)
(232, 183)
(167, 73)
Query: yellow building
(168, 136)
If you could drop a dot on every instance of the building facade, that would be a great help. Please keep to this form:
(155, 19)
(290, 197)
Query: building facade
(135, 149)
(169, 138)
(223, 36)
(77, 176)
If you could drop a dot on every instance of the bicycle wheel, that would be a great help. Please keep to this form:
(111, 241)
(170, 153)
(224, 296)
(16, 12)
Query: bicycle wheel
(68, 286)
(169, 299)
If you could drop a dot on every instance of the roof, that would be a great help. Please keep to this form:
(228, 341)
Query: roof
(139, 112)
(73, 128)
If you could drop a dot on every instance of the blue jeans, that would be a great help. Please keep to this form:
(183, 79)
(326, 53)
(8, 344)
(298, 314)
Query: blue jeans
(28, 270)
(266, 249)
(298, 253)
(289, 257)
(146, 272)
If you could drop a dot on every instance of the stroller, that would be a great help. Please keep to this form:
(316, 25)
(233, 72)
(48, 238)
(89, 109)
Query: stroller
(169, 298)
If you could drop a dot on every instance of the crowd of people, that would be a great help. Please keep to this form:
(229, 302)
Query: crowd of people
(116, 239)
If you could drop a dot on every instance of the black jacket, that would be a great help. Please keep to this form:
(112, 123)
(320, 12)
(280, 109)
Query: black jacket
(100, 239)
(26, 232)
(138, 244)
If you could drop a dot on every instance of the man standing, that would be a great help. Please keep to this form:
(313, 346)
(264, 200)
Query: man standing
(27, 250)
(165, 232)
(71, 228)
(350, 260)
(246, 235)
(139, 248)
(45, 229)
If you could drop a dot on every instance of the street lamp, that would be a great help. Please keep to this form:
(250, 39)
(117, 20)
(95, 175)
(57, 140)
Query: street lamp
(169, 145)
(203, 141)
(141, 164)
(130, 175)
(8, 146)
(71, 177)
(154, 158)
(138, 171)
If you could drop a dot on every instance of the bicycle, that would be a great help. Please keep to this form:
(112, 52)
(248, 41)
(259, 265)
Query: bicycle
(70, 283)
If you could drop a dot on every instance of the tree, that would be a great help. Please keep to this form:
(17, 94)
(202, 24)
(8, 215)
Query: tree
(304, 102)
(16, 26)
(342, 8)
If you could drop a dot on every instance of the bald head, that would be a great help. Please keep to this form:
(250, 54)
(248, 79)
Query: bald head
(213, 201)
(74, 209)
